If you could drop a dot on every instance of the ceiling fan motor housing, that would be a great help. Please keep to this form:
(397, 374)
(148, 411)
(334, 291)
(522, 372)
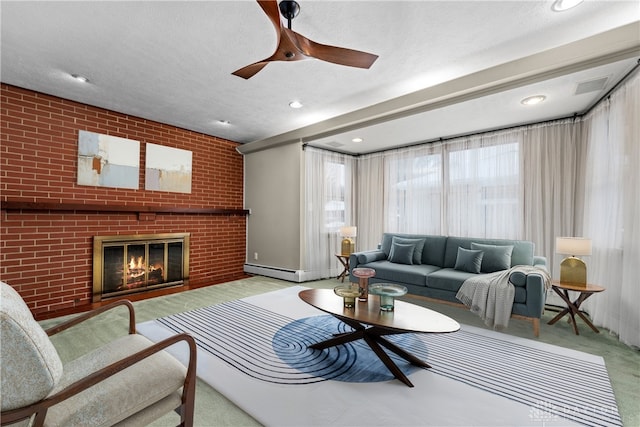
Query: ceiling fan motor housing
(289, 9)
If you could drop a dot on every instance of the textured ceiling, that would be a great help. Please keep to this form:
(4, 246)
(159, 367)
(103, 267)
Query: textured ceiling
(450, 67)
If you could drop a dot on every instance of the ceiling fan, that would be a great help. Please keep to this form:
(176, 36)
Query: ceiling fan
(295, 47)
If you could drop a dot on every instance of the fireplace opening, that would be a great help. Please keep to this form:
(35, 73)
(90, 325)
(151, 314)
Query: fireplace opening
(128, 264)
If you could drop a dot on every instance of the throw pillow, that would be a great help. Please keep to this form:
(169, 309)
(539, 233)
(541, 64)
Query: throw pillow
(419, 246)
(469, 260)
(495, 258)
(401, 254)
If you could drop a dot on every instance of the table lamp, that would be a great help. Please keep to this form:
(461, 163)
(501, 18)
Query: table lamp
(348, 246)
(573, 269)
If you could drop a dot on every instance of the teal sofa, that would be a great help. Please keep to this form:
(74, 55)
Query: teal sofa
(435, 268)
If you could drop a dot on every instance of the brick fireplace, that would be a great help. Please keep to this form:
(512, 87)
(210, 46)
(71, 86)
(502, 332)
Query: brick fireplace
(48, 222)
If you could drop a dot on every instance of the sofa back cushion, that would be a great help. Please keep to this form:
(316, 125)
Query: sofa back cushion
(30, 365)
(432, 253)
(522, 253)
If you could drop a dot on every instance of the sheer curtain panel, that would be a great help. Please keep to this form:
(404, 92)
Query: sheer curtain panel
(329, 205)
(413, 190)
(370, 201)
(552, 168)
(612, 210)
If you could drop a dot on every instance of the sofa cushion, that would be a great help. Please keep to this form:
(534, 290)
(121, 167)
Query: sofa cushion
(434, 247)
(402, 253)
(495, 257)
(522, 250)
(418, 247)
(469, 260)
(448, 279)
(30, 365)
(389, 272)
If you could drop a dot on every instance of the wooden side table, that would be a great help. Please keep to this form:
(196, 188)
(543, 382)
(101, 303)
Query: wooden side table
(344, 260)
(573, 307)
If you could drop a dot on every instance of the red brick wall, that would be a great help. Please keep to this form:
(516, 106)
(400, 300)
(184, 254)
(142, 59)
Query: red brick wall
(47, 255)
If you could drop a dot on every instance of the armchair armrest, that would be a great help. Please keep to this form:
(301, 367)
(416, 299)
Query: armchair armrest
(188, 394)
(88, 315)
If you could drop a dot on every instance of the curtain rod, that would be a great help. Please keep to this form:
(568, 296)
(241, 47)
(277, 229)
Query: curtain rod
(574, 116)
(615, 87)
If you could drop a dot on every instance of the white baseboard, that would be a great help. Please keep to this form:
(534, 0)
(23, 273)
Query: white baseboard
(297, 276)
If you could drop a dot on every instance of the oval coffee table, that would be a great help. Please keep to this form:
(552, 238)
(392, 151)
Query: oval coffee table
(371, 324)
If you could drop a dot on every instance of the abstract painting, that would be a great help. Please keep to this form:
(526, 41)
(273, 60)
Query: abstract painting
(108, 161)
(168, 169)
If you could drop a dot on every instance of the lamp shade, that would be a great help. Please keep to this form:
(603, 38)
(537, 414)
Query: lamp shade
(348, 231)
(573, 246)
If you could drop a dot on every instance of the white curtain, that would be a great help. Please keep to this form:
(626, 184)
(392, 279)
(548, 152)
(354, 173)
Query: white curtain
(370, 202)
(482, 186)
(413, 190)
(552, 159)
(612, 210)
(464, 187)
(329, 205)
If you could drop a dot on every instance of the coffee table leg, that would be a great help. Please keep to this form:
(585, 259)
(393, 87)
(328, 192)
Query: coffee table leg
(373, 337)
(384, 357)
(403, 353)
(338, 339)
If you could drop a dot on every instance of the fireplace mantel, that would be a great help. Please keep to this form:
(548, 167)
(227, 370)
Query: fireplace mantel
(86, 207)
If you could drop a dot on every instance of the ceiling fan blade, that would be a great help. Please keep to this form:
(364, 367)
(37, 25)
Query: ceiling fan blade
(292, 46)
(337, 55)
(250, 70)
(270, 7)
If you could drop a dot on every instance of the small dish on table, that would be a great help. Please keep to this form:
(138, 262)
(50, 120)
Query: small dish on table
(387, 292)
(348, 293)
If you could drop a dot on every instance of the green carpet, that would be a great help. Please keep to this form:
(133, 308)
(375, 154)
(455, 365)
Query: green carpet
(213, 409)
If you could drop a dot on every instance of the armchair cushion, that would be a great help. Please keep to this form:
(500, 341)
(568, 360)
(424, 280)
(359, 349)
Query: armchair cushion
(122, 395)
(36, 367)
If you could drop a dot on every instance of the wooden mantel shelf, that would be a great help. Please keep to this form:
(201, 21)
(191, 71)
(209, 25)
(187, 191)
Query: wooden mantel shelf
(86, 207)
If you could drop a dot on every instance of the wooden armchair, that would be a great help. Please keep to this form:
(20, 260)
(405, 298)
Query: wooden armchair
(129, 381)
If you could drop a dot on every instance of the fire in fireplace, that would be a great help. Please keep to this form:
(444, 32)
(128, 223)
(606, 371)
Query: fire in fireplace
(126, 264)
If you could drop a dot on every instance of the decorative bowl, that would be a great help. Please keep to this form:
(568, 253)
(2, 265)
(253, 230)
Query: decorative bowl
(348, 294)
(387, 292)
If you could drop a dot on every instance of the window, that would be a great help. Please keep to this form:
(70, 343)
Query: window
(334, 206)
(415, 194)
(482, 194)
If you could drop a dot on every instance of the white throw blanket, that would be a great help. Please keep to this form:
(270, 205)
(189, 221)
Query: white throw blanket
(490, 296)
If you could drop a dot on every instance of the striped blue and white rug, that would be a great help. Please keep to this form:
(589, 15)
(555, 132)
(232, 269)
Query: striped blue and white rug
(254, 351)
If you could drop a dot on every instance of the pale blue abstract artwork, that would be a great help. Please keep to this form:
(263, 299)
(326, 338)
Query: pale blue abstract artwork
(108, 161)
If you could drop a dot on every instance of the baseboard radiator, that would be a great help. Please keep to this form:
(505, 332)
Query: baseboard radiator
(297, 276)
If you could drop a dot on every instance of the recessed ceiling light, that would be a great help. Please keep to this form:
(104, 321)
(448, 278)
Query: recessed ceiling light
(357, 140)
(295, 104)
(80, 78)
(533, 100)
(562, 5)
(224, 122)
